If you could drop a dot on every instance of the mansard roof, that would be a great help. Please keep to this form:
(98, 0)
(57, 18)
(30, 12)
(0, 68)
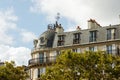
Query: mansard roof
(85, 34)
(46, 39)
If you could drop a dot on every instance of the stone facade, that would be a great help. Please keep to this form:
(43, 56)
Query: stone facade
(52, 41)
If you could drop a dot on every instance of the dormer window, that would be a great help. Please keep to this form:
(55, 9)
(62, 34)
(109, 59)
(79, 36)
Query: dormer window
(42, 40)
(76, 38)
(93, 36)
(111, 33)
(61, 40)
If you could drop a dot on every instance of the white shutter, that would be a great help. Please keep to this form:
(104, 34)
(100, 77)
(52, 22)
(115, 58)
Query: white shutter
(36, 55)
(35, 73)
(78, 50)
(113, 31)
(52, 54)
(55, 53)
(104, 48)
(113, 49)
(31, 73)
(44, 56)
(44, 70)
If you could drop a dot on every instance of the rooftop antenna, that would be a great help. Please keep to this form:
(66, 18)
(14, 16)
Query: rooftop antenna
(58, 17)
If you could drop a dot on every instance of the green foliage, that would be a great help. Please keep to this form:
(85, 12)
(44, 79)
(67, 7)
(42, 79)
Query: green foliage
(88, 65)
(10, 72)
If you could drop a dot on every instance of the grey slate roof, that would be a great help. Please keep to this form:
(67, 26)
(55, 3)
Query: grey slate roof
(48, 37)
(101, 35)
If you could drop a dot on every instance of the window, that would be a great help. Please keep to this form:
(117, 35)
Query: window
(76, 38)
(118, 51)
(41, 71)
(41, 57)
(109, 49)
(42, 40)
(110, 34)
(93, 36)
(42, 43)
(61, 40)
(91, 48)
(74, 50)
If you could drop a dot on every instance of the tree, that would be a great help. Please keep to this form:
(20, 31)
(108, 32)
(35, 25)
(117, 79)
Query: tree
(8, 71)
(88, 65)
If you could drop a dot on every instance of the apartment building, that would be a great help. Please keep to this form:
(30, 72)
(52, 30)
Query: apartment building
(51, 42)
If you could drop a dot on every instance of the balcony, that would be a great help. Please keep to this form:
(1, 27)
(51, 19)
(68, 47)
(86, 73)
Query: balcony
(42, 61)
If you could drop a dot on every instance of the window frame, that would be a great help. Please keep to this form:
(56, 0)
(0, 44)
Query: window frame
(76, 38)
(61, 40)
(110, 34)
(93, 36)
(109, 49)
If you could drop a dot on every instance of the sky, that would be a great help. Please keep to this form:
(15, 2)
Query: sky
(22, 21)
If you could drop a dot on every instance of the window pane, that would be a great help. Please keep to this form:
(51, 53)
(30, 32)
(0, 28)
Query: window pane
(110, 34)
(93, 36)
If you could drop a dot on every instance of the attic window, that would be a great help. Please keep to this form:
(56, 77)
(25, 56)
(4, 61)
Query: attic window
(42, 40)
(93, 36)
(76, 38)
(61, 40)
(111, 33)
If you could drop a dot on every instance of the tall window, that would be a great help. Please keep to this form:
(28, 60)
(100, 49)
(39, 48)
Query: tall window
(40, 71)
(109, 49)
(74, 50)
(110, 34)
(42, 40)
(61, 40)
(92, 48)
(76, 38)
(93, 36)
(41, 57)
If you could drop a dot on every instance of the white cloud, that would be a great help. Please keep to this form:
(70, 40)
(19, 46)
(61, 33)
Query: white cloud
(27, 36)
(7, 22)
(20, 55)
(79, 11)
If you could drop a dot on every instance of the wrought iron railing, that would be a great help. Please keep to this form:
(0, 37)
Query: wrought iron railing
(42, 60)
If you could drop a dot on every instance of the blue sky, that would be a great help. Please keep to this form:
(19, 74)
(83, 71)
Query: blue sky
(21, 21)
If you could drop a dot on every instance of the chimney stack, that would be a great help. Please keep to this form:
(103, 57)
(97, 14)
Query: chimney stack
(93, 24)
